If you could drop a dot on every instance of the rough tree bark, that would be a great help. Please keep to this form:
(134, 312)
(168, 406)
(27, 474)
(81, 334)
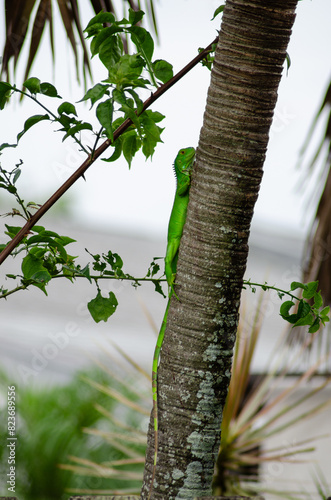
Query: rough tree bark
(196, 358)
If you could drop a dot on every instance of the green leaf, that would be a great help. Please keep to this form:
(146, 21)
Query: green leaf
(318, 300)
(288, 62)
(135, 16)
(101, 18)
(162, 70)
(303, 309)
(97, 265)
(49, 90)
(5, 89)
(296, 284)
(152, 134)
(39, 229)
(119, 96)
(67, 108)
(5, 145)
(131, 144)
(110, 51)
(117, 151)
(86, 272)
(33, 85)
(95, 93)
(218, 11)
(325, 312)
(126, 71)
(16, 175)
(130, 113)
(150, 129)
(114, 260)
(47, 232)
(106, 34)
(12, 230)
(65, 240)
(305, 320)
(143, 41)
(139, 103)
(104, 114)
(77, 128)
(33, 268)
(56, 245)
(154, 267)
(30, 122)
(315, 326)
(310, 291)
(154, 115)
(285, 308)
(158, 288)
(101, 308)
(10, 189)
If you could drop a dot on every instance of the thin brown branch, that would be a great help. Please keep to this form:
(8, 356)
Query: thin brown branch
(97, 153)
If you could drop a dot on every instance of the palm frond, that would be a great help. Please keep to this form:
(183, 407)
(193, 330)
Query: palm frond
(20, 15)
(317, 255)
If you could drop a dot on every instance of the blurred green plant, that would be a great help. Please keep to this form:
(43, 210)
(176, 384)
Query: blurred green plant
(50, 423)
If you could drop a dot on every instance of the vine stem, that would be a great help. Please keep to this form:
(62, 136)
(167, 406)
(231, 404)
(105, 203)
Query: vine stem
(102, 277)
(10, 292)
(269, 287)
(19, 200)
(98, 152)
(55, 118)
(94, 278)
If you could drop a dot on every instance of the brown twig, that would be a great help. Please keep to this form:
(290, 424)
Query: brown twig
(91, 159)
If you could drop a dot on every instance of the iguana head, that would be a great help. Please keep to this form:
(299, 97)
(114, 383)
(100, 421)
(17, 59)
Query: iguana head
(184, 161)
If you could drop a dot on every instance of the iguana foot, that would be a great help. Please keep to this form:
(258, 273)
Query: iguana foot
(172, 290)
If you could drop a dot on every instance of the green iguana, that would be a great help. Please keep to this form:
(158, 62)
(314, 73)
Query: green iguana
(183, 167)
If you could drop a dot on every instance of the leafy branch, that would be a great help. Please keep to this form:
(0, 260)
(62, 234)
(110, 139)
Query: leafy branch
(119, 129)
(310, 310)
(46, 258)
(8, 180)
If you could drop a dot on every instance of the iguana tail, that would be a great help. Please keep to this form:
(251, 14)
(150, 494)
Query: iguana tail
(154, 388)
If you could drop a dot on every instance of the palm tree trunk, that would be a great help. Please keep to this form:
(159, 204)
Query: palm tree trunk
(196, 358)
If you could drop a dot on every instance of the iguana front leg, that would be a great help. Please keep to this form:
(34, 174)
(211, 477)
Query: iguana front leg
(170, 262)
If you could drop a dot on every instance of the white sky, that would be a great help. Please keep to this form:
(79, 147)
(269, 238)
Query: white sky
(140, 200)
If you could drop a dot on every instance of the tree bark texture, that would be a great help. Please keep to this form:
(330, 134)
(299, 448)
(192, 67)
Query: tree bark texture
(196, 357)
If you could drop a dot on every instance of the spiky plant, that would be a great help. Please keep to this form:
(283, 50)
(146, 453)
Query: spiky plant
(322, 487)
(258, 408)
(123, 429)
